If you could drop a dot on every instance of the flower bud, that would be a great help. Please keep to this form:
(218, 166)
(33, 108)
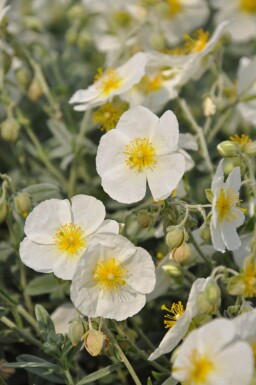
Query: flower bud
(250, 148)
(3, 210)
(175, 236)
(76, 12)
(228, 149)
(209, 107)
(76, 331)
(35, 90)
(23, 204)
(144, 219)
(172, 269)
(94, 342)
(22, 77)
(205, 232)
(182, 254)
(208, 301)
(10, 130)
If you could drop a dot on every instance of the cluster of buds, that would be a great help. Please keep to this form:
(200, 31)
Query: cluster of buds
(236, 146)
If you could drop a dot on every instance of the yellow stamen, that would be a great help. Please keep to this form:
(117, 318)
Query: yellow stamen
(108, 115)
(176, 310)
(175, 7)
(227, 200)
(240, 140)
(140, 154)
(197, 43)
(248, 6)
(151, 84)
(109, 81)
(70, 238)
(109, 275)
(200, 368)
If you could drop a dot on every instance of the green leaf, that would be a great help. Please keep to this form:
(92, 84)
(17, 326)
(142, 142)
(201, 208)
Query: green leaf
(149, 382)
(44, 320)
(3, 311)
(42, 285)
(99, 374)
(40, 192)
(170, 381)
(5, 251)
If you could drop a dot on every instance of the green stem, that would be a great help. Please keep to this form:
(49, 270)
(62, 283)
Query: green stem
(219, 125)
(69, 378)
(28, 318)
(122, 356)
(199, 131)
(7, 322)
(198, 249)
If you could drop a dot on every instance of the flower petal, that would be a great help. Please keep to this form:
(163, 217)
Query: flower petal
(166, 136)
(108, 226)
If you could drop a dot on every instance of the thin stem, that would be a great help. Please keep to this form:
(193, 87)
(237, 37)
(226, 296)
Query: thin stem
(219, 124)
(28, 318)
(69, 378)
(198, 249)
(7, 322)
(199, 132)
(122, 356)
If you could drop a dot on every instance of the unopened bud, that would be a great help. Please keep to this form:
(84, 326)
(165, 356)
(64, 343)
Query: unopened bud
(182, 254)
(209, 195)
(76, 331)
(23, 204)
(94, 342)
(250, 148)
(172, 269)
(228, 149)
(144, 219)
(205, 232)
(209, 300)
(3, 210)
(209, 107)
(22, 77)
(76, 12)
(175, 236)
(35, 90)
(5, 373)
(10, 130)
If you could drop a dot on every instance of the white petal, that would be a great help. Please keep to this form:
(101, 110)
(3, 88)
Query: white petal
(65, 266)
(166, 136)
(188, 142)
(196, 288)
(216, 235)
(234, 179)
(219, 176)
(165, 176)
(245, 326)
(132, 71)
(124, 185)
(173, 336)
(108, 226)
(88, 212)
(38, 257)
(43, 221)
(138, 122)
(111, 151)
(230, 236)
(246, 74)
(85, 96)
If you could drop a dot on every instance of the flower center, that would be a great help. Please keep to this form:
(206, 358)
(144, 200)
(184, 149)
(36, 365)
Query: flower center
(176, 310)
(240, 140)
(200, 368)
(70, 238)
(248, 6)
(109, 81)
(108, 115)
(109, 275)
(197, 43)
(227, 200)
(175, 7)
(122, 19)
(151, 84)
(140, 154)
(253, 346)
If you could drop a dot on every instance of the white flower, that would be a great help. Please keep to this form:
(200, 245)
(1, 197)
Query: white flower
(115, 81)
(181, 319)
(242, 16)
(141, 149)
(246, 88)
(226, 213)
(57, 233)
(244, 250)
(3, 9)
(211, 355)
(112, 278)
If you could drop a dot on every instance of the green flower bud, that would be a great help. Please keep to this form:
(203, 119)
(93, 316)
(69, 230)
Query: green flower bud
(10, 130)
(76, 331)
(76, 12)
(205, 232)
(144, 219)
(228, 149)
(209, 194)
(94, 342)
(182, 254)
(209, 300)
(83, 39)
(35, 90)
(71, 35)
(3, 210)
(22, 77)
(250, 148)
(175, 236)
(172, 269)
(23, 204)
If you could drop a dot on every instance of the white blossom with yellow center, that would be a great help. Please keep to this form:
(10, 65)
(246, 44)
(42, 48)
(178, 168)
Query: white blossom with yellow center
(142, 148)
(112, 278)
(211, 355)
(242, 16)
(58, 233)
(226, 213)
(112, 82)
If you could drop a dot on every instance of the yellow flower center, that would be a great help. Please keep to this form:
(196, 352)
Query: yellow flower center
(151, 84)
(227, 200)
(175, 7)
(109, 275)
(248, 6)
(200, 368)
(140, 154)
(109, 81)
(176, 311)
(193, 44)
(240, 140)
(70, 238)
(122, 19)
(108, 115)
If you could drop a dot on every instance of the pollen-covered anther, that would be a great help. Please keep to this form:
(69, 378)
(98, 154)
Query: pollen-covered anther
(109, 275)
(176, 310)
(70, 238)
(227, 200)
(140, 154)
